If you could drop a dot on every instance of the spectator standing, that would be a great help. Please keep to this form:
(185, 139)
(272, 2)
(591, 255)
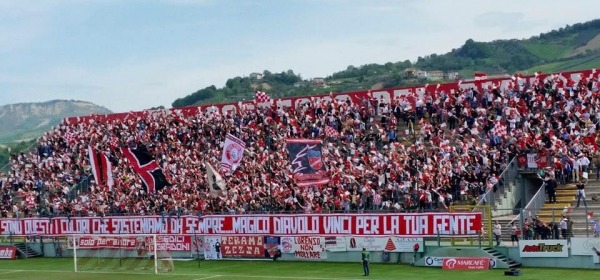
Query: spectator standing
(563, 227)
(584, 162)
(581, 193)
(514, 233)
(551, 185)
(497, 232)
(365, 261)
(596, 163)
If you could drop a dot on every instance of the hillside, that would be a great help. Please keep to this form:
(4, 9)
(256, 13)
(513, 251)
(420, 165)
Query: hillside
(569, 48)
(25, 121)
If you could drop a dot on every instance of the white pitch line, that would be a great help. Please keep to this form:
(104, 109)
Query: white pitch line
(11, 271)
(208, 277)
(185, 274)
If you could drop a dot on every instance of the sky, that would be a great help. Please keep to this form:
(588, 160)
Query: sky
(132, 54)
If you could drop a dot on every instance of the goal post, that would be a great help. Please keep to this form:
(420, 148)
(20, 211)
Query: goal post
(125, 252)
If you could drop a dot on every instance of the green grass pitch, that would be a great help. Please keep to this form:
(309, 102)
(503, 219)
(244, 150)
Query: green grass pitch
(62, 269)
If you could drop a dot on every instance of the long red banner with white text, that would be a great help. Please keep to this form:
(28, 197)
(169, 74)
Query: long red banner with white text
(386, 94)
(398, 224)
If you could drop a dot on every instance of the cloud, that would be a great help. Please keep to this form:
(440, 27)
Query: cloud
(132, 70)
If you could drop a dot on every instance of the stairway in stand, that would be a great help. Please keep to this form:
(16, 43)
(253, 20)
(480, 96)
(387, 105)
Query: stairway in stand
(26, 252)
(494, 253)
(567, 202)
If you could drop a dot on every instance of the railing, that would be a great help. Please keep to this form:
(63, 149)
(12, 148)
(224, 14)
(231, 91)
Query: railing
(508, 174)
(533, 206)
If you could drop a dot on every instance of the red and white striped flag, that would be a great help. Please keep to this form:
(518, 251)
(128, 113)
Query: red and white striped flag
(101, 167)
(261, 97)
(233, 153)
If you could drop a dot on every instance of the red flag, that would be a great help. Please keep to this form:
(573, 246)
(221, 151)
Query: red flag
(101, 168)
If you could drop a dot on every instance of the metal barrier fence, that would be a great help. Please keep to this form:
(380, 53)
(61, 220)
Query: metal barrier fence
(507, 176)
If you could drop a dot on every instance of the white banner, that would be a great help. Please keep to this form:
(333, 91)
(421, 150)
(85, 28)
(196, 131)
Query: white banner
(581, 246)
(335, 243)
(210, 248)
(434, 261)
(531, 161)
(543, 249)
(287, 244)
(309, 247)
(387, 244)
(233, 153)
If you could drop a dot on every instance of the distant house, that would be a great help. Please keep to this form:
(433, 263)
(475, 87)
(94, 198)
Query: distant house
(435, 75)
(257, 76)
(420, 74)
(318, 82)
(451, 75)
(410, 72)
(299, 84)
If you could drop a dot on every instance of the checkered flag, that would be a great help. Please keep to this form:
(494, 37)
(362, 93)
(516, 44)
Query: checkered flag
(261, 97)
(70, 137)
(331, 132)
(500, 130)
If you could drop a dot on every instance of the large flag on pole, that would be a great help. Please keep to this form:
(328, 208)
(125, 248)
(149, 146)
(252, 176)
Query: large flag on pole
(307, 164)
(144, 165)
(216, 184)
(233, 153)
(101, 167)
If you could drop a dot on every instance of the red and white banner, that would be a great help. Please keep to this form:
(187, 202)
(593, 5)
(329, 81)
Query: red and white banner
(168, 243)
(396, 224)
(8, 252)
(233, 153)
(383, 244)
(383, 94)
(544, 248)
(243, 246)
(309, 247)
(210, 248)
(480, 76)
(466, 264)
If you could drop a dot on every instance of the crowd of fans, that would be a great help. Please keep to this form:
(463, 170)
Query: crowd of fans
(456, 153)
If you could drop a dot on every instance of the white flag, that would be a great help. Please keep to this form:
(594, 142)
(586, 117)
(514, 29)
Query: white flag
(233, 153)
(216, 184)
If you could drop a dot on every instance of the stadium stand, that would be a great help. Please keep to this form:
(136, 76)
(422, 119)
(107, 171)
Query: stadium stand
(463, 140)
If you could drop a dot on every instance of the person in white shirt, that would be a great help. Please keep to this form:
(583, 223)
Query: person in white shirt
(575, 170)
(584, 163)
(497, 230)
(563, 227)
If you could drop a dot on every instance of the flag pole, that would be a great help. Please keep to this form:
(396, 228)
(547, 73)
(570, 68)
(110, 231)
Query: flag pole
(270, 182)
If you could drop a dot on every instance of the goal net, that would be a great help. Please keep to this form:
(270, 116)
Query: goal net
(139, 253)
